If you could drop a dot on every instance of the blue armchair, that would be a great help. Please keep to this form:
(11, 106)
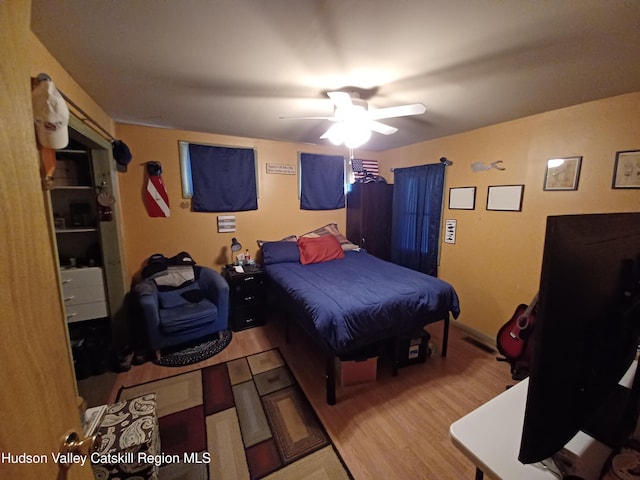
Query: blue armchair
(185, 314)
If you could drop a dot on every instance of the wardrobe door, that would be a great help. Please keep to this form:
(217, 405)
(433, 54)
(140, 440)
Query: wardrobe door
(354, 214)
(376, 219)
(369, 217)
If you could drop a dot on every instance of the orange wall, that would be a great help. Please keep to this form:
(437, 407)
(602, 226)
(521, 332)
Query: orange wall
(278, 213)
(495, 262)
(41, 61)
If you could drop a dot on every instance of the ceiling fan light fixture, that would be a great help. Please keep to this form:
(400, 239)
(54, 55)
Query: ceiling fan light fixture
(356, 135)
(352, 134)
(335, 134)
(354, 122)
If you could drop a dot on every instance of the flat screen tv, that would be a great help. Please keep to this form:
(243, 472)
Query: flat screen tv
(586, 333)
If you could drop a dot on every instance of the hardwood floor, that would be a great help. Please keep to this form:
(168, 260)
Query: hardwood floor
(396, 427)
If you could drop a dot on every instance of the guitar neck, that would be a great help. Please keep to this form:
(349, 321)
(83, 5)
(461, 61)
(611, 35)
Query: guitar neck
(531, 306)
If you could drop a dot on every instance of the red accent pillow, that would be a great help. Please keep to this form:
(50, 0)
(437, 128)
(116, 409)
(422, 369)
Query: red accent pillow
(320, 249)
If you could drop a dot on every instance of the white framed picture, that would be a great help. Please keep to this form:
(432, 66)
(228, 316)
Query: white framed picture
(462, 198)
(505, 197)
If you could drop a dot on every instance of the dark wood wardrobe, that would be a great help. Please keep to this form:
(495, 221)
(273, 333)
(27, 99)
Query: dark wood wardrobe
(369, 217)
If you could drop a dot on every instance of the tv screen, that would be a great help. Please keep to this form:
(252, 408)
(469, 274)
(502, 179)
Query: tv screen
(586, 333)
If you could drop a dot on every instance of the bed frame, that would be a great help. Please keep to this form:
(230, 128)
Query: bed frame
(330, 355)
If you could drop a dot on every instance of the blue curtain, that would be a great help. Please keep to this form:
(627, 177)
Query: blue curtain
(417, 209)
(224, 179)
(321, 182)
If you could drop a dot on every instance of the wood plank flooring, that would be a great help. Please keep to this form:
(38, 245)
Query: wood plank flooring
(394, 428)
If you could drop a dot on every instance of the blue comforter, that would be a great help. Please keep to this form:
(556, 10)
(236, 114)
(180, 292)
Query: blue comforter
(360, 299)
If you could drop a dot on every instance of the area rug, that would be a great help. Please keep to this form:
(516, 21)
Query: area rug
(244, 419)
(190, 354)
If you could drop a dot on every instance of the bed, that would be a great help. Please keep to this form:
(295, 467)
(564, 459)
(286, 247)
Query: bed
(347, 300)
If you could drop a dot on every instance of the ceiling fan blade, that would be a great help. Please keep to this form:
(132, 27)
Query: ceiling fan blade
(333, 129)
(400, 111)
(340, 99)
(307, 118)
(381, 128)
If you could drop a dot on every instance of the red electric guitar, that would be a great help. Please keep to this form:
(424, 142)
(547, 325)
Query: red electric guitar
(513, 336)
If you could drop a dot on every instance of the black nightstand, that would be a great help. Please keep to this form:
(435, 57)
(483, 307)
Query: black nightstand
(247, 297)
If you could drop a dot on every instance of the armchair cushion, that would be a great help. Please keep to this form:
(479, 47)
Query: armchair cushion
(189, 316)
(178, 297)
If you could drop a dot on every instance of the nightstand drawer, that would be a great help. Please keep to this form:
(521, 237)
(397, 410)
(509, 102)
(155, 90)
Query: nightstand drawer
(248, 289)
(242, 318)
(248, 297)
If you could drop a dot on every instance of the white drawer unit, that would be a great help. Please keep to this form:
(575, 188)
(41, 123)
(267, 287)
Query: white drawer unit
(84, 294)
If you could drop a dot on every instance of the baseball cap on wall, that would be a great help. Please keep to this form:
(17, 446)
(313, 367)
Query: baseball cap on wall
(51, 115)
(121, 154)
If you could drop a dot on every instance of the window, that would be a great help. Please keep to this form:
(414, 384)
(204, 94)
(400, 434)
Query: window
(322, 182)
(219, 179)
(417, 210)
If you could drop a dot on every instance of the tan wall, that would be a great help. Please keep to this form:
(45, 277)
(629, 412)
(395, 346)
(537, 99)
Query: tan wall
(278, 213)
(495, 262)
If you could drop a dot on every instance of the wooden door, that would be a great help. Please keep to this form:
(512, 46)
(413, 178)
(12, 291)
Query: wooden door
(38, 399)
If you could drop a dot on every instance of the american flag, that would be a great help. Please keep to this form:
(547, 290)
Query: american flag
(360, 167)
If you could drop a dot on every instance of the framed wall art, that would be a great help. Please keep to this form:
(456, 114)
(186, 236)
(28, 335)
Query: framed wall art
(450, 230)
(562, 173)
(626, 172)
(505, 197)
(462, 198)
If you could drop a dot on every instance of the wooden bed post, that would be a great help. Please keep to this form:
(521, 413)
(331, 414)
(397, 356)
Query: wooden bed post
(331, 378)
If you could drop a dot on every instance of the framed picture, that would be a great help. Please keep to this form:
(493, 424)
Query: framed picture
(462, 198)
(505, 197)
(626, 173)
(562, 173)
(450, 230)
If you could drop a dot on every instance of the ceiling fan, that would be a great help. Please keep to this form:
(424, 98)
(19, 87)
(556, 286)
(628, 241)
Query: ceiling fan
(354, 122)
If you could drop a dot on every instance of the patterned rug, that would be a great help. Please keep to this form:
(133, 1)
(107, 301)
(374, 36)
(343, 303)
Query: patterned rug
(245, 419)
(188, 355)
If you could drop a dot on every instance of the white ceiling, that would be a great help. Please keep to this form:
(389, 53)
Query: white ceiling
(235, 66)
